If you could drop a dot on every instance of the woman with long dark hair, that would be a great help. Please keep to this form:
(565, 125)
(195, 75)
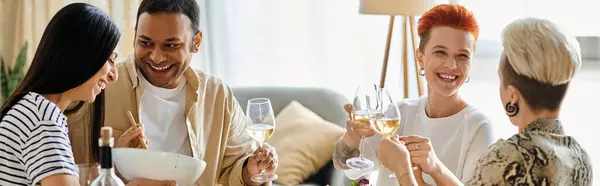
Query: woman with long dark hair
(73, 62)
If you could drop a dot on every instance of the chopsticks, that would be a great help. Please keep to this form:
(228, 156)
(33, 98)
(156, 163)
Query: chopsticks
(133, 123)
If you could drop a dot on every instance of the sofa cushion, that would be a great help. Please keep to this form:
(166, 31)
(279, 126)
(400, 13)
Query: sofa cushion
(304, 143)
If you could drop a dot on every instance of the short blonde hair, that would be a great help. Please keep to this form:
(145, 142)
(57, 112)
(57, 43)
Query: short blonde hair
(539, 49)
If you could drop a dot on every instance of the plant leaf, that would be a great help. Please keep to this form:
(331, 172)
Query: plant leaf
(21, 60)
(13, 82)
(3, 80)
(16, 74)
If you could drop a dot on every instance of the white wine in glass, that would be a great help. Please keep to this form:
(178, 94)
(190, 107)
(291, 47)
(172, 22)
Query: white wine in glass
(364, 106)
(388, 123)
(261, 114)
(260, 132)
(386, 126)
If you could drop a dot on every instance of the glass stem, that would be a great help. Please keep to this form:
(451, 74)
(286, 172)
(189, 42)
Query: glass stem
(388, 136)
(260, 149)
(361, 146)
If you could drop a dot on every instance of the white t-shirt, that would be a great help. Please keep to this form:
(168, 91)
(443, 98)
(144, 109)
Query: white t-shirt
(458, 140)
(163, 117)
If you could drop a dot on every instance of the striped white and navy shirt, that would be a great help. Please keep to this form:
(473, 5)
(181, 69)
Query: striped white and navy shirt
(34, 143)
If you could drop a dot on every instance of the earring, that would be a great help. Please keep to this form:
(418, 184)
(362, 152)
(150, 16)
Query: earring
(422, 72)
(468, 79)
(511, 109)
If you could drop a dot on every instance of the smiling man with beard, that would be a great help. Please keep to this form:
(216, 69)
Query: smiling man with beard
(181, 110)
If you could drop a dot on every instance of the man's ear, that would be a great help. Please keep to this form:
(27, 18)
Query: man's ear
(197, 41)
(134, 36)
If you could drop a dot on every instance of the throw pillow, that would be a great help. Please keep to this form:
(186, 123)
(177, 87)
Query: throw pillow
(304, 143)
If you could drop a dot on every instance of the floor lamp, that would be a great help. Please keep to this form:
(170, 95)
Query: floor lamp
(408, 9)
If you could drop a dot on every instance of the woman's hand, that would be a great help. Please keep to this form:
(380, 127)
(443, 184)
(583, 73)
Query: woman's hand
(419, 177)
(422, 153)
(394, 155)
(356, 129)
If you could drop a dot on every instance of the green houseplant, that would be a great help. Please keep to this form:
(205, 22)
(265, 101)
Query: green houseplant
(11, 78)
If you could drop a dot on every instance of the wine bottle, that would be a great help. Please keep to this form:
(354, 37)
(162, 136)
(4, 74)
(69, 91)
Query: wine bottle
(107, 176)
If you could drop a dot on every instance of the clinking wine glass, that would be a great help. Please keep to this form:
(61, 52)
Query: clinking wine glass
(387, 123)
(364, 106)
(260, 112)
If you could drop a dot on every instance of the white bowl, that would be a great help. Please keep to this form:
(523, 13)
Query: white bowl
(135, 163)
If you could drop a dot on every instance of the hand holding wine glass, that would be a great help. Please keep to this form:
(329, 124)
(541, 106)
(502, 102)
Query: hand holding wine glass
(364, 106)
(387, 123)
(261, 114)
(356, 129)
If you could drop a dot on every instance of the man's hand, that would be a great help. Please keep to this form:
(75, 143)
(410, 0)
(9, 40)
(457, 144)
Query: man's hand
(132, 138)
(262, 159)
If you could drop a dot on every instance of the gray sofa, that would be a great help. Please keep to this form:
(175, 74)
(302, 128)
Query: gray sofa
(326, 103)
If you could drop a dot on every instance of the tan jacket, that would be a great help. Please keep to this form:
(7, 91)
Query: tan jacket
(215, 122)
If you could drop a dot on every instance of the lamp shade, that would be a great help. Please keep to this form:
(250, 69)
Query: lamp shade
(395, 7)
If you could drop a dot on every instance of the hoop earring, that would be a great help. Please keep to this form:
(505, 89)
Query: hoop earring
(468, 79)
(511, 109)
(422, 72)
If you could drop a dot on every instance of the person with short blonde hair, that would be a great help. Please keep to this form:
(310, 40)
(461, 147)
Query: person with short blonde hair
(540, 61)
(536, 68)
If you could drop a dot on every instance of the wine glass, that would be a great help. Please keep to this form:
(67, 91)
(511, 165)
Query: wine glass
(364, 106)
(87, 173)
(260, 112)
(387, 123)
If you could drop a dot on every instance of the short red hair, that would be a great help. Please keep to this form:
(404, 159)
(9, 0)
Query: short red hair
(451, 15)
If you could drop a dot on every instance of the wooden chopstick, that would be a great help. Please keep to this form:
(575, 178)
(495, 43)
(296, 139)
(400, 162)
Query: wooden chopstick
(132, 120)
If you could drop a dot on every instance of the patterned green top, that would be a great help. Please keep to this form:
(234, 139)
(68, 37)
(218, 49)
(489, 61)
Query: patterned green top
(540, 155)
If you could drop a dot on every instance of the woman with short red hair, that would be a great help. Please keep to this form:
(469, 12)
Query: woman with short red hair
(536, 67)
(441, 128)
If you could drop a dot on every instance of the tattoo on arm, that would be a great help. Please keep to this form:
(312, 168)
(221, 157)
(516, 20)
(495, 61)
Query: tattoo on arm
(342, 153)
